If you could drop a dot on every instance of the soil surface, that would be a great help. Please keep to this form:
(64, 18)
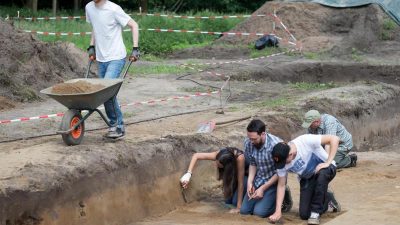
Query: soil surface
(135, 180)
(76, 87)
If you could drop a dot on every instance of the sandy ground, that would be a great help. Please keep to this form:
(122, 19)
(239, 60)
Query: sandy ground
(362, 90)
(368, 194)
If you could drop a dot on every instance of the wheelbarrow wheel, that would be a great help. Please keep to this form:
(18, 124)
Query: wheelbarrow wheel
(69, 120)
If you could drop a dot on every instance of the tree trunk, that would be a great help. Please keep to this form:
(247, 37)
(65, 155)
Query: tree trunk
(76, 6)
(54, 7)
(143, 4)
(34, 5)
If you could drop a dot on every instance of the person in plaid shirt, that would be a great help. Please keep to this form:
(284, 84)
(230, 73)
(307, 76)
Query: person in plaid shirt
(261, 185)
(325, 124)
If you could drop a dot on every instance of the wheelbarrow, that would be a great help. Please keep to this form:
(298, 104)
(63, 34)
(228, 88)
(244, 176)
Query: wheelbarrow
(72, 128)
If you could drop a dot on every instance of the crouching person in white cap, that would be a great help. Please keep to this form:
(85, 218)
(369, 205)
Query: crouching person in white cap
(315, 167)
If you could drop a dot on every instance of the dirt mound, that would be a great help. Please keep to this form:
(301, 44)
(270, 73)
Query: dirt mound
(28, 65)
(317, 26)
(6, 104)
(76, 87)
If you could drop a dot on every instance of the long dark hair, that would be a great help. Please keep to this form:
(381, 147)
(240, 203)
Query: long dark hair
(228, 174)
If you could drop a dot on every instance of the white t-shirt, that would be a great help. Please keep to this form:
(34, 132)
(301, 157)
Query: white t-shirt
(107, 22)
(310, 153)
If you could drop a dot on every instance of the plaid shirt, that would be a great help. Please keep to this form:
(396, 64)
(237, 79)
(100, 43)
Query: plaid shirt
(262, 159)
(330, 125)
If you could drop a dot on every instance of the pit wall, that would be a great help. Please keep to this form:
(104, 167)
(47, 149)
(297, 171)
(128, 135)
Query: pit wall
(377, 128)
(122, 196)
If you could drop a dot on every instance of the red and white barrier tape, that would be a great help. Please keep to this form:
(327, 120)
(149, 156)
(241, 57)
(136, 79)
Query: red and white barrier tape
(47, 18)
(46, 33)
(230, 62)
(122, 105)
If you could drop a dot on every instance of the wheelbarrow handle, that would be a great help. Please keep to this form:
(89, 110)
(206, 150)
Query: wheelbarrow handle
(126, 70)
(88, 68)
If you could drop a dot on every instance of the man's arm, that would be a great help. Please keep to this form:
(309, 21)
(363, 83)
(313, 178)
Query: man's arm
(333, 142)
(252, 174)
(259, 193)
(280, 194)
(135, 32)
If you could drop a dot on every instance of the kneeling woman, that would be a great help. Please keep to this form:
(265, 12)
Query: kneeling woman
(232, 170)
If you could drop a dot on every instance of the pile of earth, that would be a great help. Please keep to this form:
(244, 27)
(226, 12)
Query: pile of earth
(28, 65)
(320, 27)
(76, 87)
(340, 31)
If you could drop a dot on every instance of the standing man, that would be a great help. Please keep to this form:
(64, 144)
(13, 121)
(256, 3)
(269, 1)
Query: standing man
(107, 47)
(262, 180)
(315, 167)
(315, 123)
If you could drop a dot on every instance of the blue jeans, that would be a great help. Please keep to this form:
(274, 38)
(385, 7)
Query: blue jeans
(261, 207)
(112, 70)
(234, 199)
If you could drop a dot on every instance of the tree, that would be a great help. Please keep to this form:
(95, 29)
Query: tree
(54, 7)
(32, 4)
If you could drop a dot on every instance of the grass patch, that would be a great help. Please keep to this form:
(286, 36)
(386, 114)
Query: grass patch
(388, 30)
(356, 55)
(157, 69)
(197, 89)
(154, 43)
(254, 53)
(312, 86)
(274, 103)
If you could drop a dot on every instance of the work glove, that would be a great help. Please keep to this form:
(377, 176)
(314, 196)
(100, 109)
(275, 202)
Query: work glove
(135, 54)
(185, 179)
(91, 52)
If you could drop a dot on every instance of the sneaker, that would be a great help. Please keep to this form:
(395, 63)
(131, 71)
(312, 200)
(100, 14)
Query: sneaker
(353, 158)
(333, 203)
(314, 218)
(287, 201)
(116, 133)
(110, 130)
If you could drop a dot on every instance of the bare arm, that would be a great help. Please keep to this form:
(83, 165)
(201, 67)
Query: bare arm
(196, 156)
(92, 41)
(280, 194)
(333, 142)
(240, 162)
(135, 32)
(252, 173)
(259, 193)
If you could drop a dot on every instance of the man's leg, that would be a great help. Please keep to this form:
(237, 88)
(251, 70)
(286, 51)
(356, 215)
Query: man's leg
(113, 109)
(266, 206)
(108, 105)
(342, 157)
(247, 205)
(307, 187)
(319, 202)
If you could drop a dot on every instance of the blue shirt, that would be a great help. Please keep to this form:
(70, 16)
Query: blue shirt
(262, 159)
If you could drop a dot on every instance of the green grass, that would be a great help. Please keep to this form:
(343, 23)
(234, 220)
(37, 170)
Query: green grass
(254, 53)
(150, 42)
(157, 69)
(196, 89)
(356, 55)
(312, 86)
(388, 31)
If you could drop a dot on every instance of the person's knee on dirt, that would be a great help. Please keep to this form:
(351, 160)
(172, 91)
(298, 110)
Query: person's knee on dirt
(315, 167)
(261, 184)
(325, 124)
(232, 169)
(107, 47)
